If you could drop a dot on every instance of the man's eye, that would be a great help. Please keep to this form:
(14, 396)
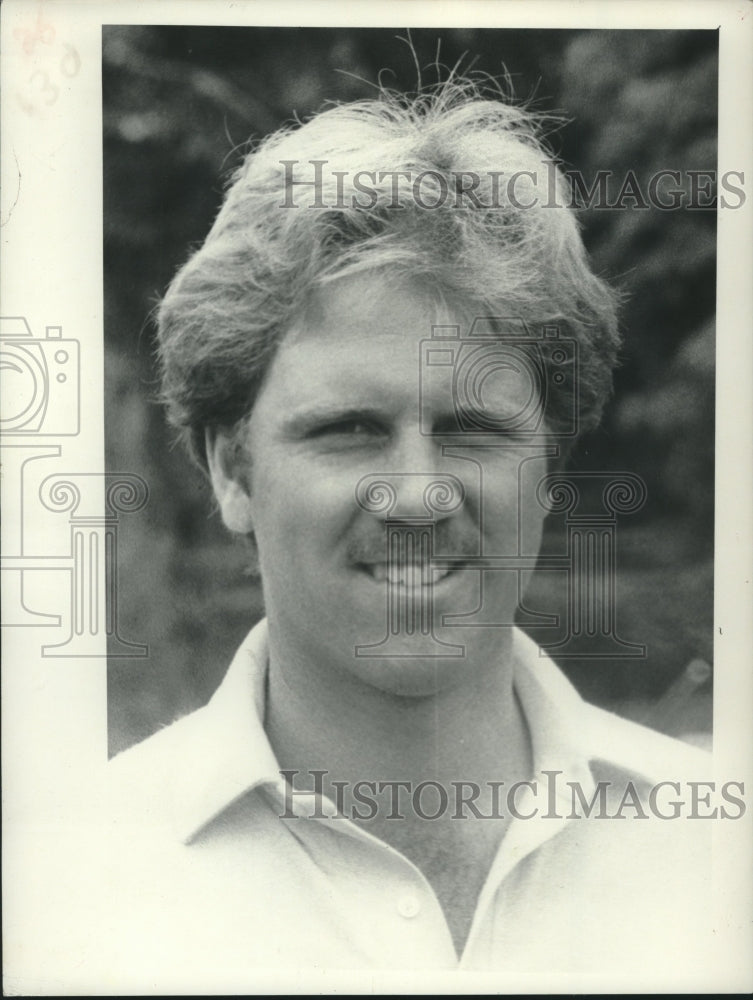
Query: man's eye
(350, 428)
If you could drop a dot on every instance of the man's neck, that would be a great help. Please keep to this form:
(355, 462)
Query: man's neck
(467, 737)
(328, 720)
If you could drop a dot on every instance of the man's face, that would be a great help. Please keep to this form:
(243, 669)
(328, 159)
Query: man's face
(341, 403)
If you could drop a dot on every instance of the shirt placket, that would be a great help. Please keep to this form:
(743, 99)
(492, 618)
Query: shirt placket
(404, 910)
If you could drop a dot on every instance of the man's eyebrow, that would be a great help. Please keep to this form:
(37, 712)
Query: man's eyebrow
(309, 418)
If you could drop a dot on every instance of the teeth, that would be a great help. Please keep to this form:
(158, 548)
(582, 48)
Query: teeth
(399, 577)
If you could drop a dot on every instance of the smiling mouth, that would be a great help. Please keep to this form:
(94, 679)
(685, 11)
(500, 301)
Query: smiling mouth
(411, 575)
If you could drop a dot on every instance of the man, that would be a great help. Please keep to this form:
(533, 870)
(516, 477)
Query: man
(389, 778)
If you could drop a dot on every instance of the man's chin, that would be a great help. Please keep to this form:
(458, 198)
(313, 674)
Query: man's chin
(409, 676)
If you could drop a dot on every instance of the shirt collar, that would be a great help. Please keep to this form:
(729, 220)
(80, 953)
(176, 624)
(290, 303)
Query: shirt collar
(555, 713)
(553, 710)
(227, 752)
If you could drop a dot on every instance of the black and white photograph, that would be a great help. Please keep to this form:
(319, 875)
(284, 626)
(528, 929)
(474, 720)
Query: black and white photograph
(377, 546)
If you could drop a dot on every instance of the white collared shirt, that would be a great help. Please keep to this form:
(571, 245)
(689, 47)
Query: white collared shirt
(204, 880)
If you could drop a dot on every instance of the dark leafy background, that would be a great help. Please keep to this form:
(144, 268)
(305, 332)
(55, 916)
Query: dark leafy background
(179, 107)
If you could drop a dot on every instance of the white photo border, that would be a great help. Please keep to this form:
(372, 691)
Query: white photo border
(54, 711)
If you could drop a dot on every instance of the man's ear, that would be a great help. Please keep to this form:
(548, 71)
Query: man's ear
(228, 481)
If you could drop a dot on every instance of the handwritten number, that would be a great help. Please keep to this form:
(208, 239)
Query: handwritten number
(44, 86)
(42, 32)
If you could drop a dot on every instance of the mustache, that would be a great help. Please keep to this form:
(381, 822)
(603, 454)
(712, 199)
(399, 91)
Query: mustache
(446, 539)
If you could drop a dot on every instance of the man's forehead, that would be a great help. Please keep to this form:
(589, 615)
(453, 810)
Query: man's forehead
(370, 342)
(386, 300)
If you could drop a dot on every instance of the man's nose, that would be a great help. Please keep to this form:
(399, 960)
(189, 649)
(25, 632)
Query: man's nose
(410, 496)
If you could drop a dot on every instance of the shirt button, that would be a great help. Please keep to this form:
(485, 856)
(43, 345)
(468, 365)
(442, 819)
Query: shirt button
(408, 906)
